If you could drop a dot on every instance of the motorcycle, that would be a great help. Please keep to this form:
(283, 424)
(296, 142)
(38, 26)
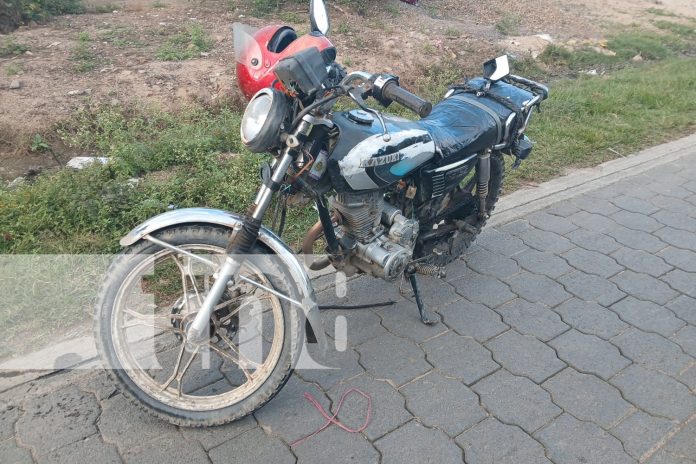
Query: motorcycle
(204, 315)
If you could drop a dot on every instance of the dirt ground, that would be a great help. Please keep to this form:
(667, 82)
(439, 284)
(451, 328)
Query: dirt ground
(394, 37)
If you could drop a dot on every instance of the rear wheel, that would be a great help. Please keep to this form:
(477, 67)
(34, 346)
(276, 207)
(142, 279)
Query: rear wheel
(151, 295)
(443, 250)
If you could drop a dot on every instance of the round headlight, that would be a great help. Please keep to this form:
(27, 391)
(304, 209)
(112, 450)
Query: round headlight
(262, 119)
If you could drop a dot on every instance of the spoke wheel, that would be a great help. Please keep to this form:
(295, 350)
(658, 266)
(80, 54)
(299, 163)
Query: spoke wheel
(150, 298)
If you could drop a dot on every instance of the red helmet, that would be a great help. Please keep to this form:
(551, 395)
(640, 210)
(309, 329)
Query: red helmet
(257, 53)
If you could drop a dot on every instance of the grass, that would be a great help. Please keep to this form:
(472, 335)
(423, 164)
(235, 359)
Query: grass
(13, 69)
(11, 48)
(185, 45)
(103, 9)
(82, 54)
(509, 24)
(629, 110)
(120, 37)
(660, 12)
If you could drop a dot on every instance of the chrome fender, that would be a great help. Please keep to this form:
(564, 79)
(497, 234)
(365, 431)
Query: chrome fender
(266, 237)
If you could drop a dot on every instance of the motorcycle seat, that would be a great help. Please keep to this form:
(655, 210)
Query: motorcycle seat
(464, 123)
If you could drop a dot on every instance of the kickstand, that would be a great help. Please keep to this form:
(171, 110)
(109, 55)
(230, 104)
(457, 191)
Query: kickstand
(425, 315)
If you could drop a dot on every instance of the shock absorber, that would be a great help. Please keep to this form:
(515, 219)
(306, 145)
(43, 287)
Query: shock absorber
(483, 176)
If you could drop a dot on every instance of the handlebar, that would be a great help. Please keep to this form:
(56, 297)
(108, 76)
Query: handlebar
(392, 91)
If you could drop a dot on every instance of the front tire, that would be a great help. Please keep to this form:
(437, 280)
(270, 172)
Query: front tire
(139, 296)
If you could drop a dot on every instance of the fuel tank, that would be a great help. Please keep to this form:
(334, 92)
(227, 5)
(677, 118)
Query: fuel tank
(363, 160)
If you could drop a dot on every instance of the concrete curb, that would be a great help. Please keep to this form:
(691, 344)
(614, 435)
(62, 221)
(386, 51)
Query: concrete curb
(525, 201)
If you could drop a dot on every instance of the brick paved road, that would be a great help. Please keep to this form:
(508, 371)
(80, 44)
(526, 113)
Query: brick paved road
(568, 336)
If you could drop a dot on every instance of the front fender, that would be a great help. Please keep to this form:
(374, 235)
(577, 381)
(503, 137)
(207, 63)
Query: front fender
(266, 237)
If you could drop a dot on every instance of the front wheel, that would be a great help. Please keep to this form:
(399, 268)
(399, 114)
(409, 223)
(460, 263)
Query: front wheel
(149, 297)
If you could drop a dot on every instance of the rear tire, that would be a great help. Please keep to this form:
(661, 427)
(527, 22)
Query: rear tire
(132, 259)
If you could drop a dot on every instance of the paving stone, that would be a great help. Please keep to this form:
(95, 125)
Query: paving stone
(677, 237)
(644, 287)
(676, 220)
(515, 227)
(635, 205)
(591, 262)
(516, 400)
(289, 415)
(414, 442)
(593, 222)
(492, 442)
(460, 357)
(637, 239)
(8, 416)
(545, 221)
(684, 307)
(472, 319)
(685, 282)
(336, 446)
(532, 319)
(663, 457)
(435, 292)
(167, 450)
(595, 241)
(640, 431)
(361, 325)
(544, 263)
(591, 205)
(525, 355)
(690, 186)
(684, 442)
(589, 354)
(388, 406)
(403, 320)
(341, 365)
(58, 418)
(655, 393)
(200, 374)
(647, 316)
(10, 452)
(361, 290)
(537, 288)
(568, 440)
(641, 261)
(653, 351)
(210, 437)
(252, 446)
(673, 205)
(590, 287)
(590, 318)
(636, 221)
(587, 398)
(91, 449)
(688, 378)
(98, 383)
(393, 358)
(499, 242)
(127, 426)
(563, 209)
(487, 290)
(677, 257)
(686, 338)
(542, 240)
(444, 403)
(607, 192)
(492, 264)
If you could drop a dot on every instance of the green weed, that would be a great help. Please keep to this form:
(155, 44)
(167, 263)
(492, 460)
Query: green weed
(82, 54)
(185, 45)
(509, 24)
(11, 48)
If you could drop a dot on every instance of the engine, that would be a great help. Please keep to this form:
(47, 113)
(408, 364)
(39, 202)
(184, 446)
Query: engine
(379, 237)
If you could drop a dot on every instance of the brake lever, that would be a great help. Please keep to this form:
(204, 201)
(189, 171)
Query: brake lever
(356, 94)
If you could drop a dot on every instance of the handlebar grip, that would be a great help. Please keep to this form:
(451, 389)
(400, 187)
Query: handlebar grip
(403, 97)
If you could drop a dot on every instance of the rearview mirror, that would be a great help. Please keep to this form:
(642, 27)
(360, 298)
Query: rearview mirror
(496, 69)
(319, 16)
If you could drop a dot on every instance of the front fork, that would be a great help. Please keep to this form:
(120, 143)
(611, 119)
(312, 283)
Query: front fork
(244, 237)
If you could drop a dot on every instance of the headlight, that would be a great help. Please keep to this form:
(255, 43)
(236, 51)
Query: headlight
(262, 120)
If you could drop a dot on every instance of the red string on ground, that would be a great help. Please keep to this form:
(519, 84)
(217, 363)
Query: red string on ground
(332, 419)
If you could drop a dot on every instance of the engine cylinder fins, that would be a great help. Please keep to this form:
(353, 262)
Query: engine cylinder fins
(361, 213)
